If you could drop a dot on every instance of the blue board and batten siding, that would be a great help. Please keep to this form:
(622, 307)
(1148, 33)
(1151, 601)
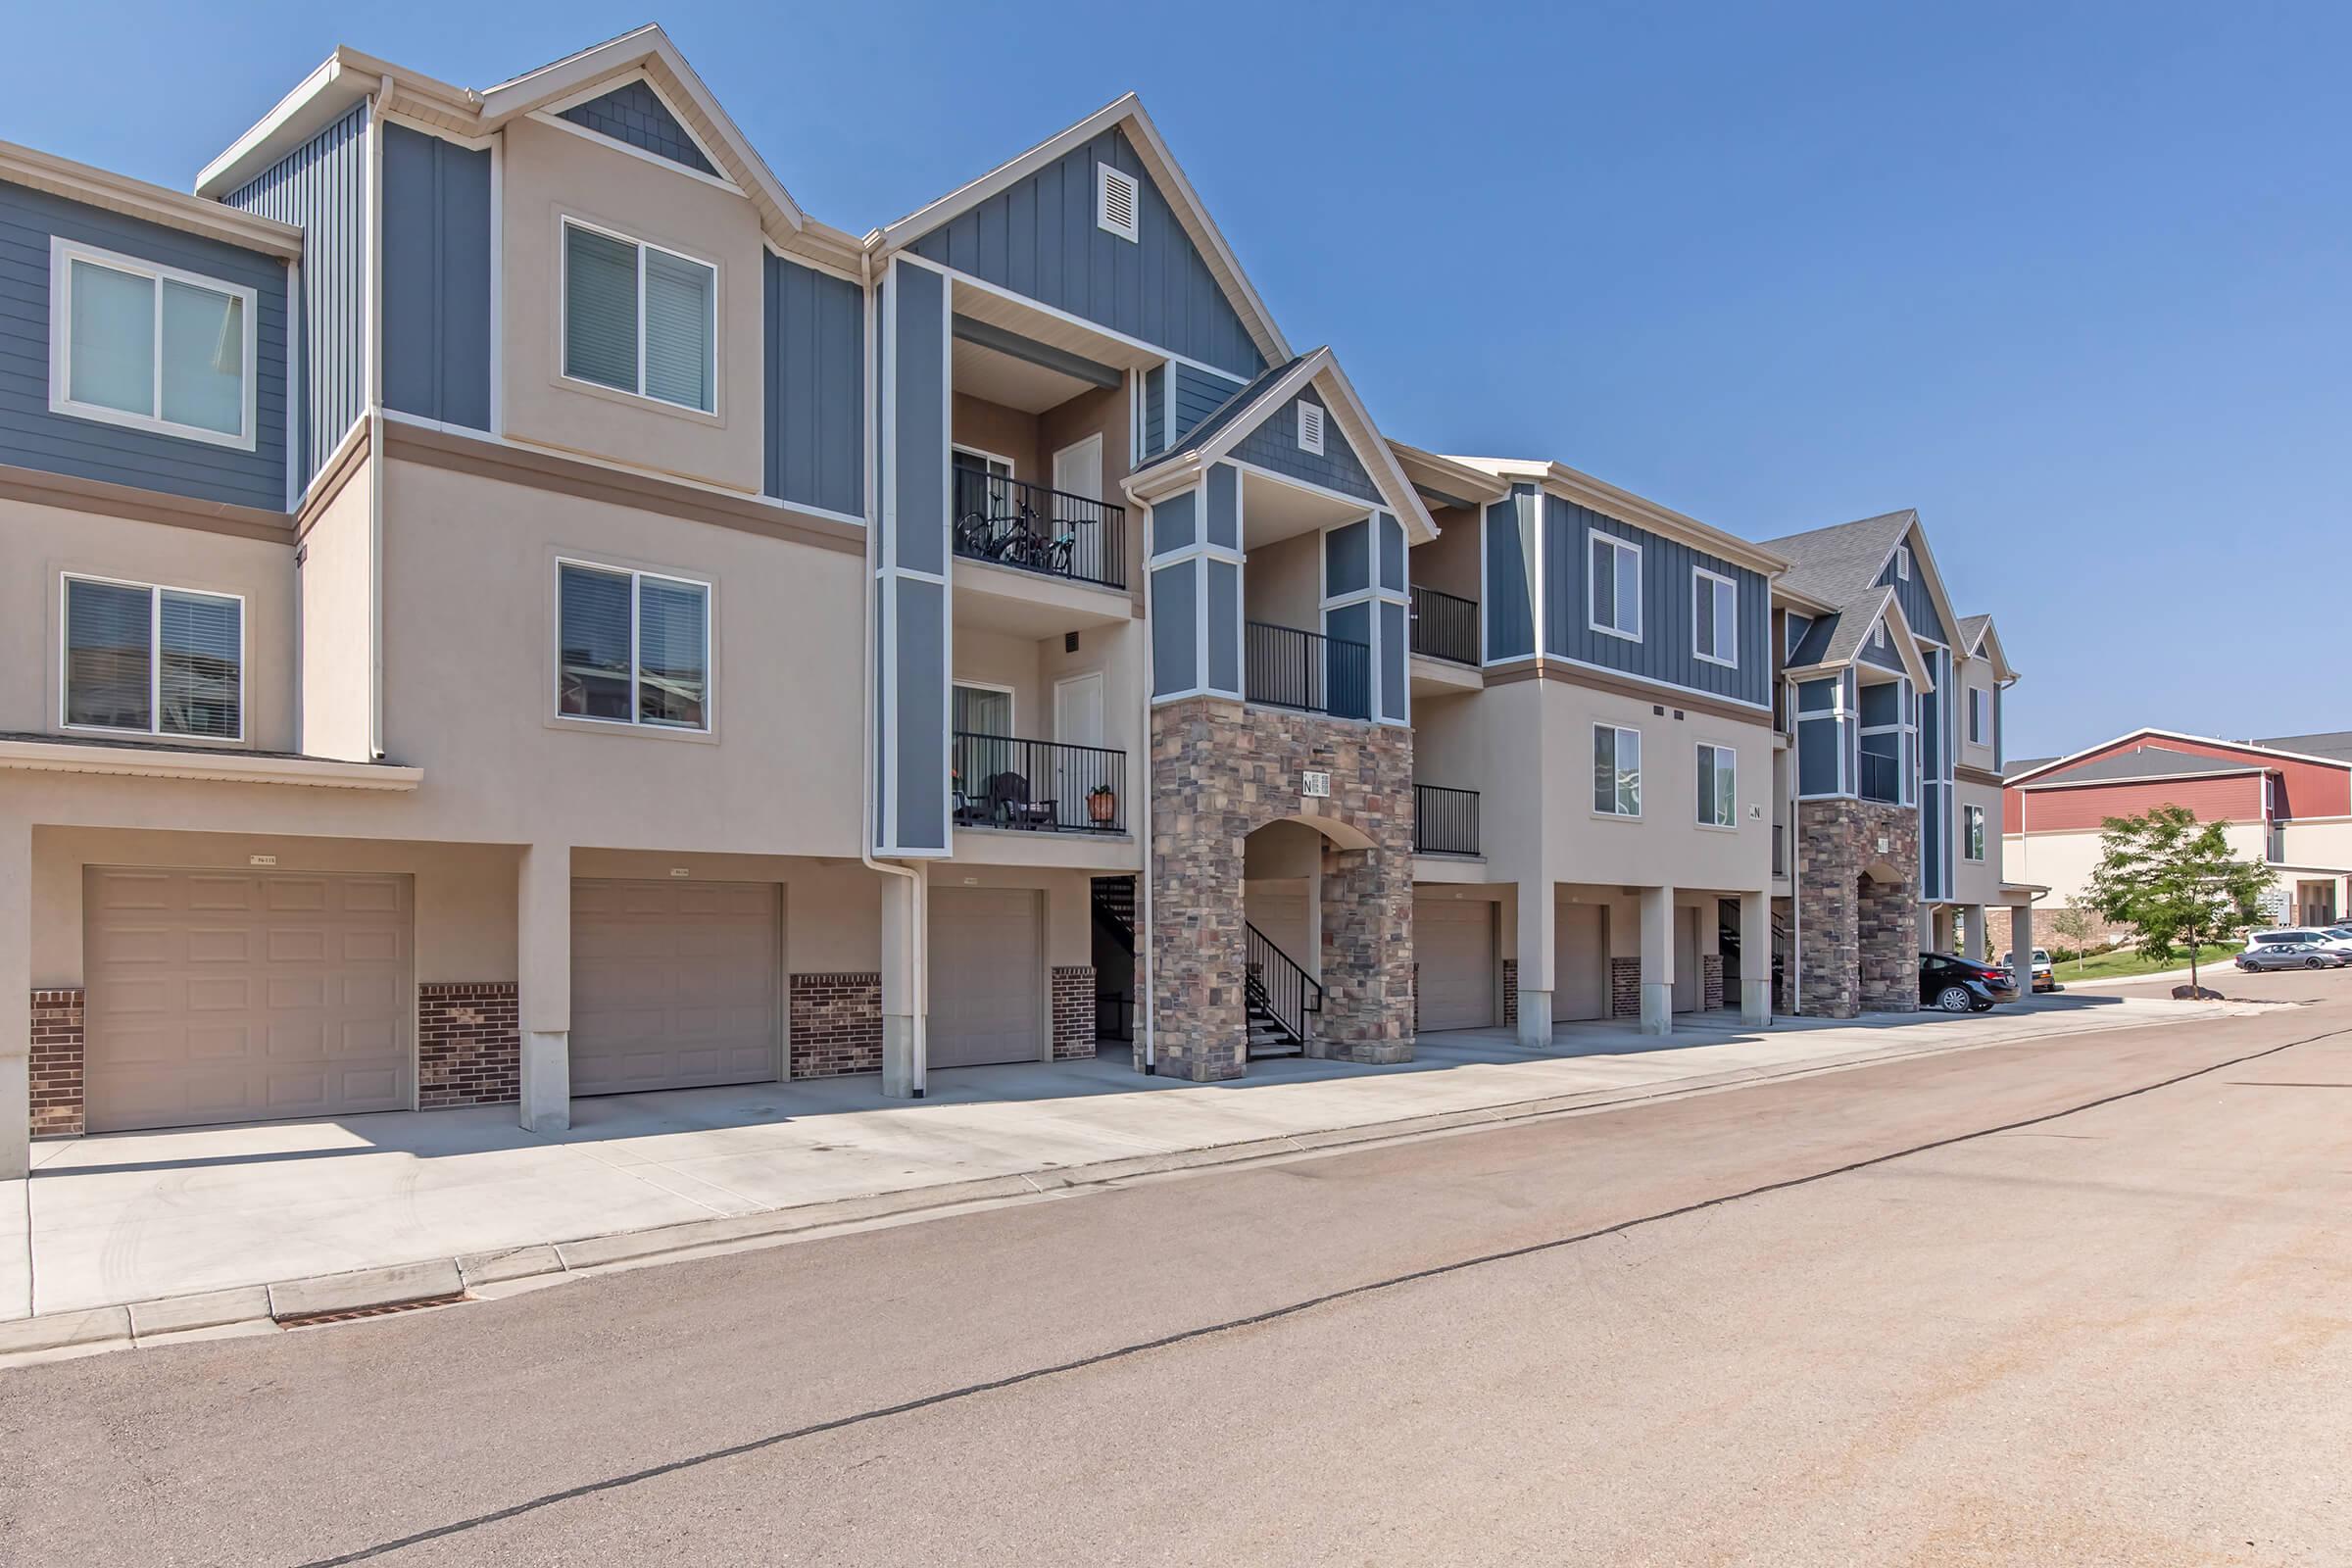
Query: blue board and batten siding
(1155, 411)
(635, 115)
(436, 279)
(815, 385)
(1919, 603)
(321, 189)
(914, 699)
(1274, 445)
(1667, 649)
(1039, 238)
(31, 436)
(1198, 394)
(1510, 551)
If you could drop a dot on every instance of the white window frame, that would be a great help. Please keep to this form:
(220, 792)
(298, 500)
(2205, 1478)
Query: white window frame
(1013, 701)
(63, 254)
(1903, 563)
(637, 577)
(563, 314)
(1619, 733)
(1702, 609)
(1131, 230)
(155, 657)
(1727, 763)
(1322, 413)
(1980, 716)
(1972, 833)
(1591, 583)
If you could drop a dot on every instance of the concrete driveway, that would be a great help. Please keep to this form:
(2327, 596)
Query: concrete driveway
(138, 1216)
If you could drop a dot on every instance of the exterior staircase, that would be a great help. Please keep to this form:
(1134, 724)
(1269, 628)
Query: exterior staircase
(1278, 996)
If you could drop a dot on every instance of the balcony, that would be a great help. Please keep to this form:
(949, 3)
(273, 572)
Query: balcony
(1445, 821)
(1881, 778)
(1445, 626)
(1010, 522)
(1307, 671)
(999, 781)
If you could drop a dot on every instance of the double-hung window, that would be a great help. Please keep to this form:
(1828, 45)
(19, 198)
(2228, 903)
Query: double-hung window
(1718, 788)
(1614, 586)
(632, 647)
(153, 660)
(1714, 617)
(1616, 771)
(1980, 716)
(150, 346)
(639, 318)
(1972, 843)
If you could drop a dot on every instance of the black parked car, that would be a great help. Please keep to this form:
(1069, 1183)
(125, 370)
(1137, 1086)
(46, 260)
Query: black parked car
(1951, 984)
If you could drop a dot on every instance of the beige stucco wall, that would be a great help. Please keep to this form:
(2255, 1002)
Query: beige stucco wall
(1450, 563)
(40, 545)
(1282, 583)
(999, 431)
(1976, 881)
(1977, 673)
(336, 669)
(1665, 845)
(549, 175)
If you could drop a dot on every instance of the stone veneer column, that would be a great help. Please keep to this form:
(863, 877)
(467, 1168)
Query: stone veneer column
(1219, 773)
(1858, 933)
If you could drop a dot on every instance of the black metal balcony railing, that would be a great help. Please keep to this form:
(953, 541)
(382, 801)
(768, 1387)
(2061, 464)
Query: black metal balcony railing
(1014, 524)
(999, 781)
(1881, 778)
(1445, 821)
(1286, 668)
(1445, 626)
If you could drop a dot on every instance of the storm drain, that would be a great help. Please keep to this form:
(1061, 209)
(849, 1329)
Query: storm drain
(312, 1320)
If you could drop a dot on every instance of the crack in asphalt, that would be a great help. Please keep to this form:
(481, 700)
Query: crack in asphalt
(1272, 1314)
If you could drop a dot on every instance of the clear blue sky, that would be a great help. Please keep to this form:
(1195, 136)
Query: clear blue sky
(2075, 281)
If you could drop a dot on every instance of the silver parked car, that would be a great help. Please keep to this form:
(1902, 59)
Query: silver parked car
(2288, 955)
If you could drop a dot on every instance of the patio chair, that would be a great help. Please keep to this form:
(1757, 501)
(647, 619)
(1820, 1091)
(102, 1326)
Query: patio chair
(1008, 795)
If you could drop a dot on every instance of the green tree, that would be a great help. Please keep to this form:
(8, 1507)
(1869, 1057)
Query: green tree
(2078, 923)
(2175, 882)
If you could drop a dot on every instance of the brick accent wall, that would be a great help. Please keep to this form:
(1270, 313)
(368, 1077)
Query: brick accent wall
(1510, 993)
(836, 1024)
(1858, 906)
(57, 1063)
(1219, 773)
(1710, 980)
(469, 1044)
(1074, 1012)
(1625, 988)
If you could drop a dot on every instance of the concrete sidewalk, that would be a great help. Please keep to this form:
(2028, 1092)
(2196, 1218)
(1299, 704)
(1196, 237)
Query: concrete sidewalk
(135, 1217)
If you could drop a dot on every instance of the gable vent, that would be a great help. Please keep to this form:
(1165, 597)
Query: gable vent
(1310, 428)
(1118, 198)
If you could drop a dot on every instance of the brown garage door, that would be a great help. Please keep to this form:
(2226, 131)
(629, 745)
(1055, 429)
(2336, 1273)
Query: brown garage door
(1580, 962)
(674, 985)
(236, 995)
(1453, 946)
(986, 977)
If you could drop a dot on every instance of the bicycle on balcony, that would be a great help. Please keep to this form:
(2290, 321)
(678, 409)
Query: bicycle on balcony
(1015, 538)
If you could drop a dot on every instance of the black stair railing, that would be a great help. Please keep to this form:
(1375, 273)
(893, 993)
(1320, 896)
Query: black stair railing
(1114, 907)
(1284, 991)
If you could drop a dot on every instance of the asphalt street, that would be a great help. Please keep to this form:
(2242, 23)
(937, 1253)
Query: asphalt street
(2082, 1302)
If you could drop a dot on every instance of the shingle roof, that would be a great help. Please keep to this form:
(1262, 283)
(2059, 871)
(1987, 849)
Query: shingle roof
(1225, 412)
(2025, 764)
(2147, 762)
(1855, 623)
(1839, 564)
(1972, 627)
(2332, 743)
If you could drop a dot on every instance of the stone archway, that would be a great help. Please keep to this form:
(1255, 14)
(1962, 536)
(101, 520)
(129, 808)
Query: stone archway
(1219, 773)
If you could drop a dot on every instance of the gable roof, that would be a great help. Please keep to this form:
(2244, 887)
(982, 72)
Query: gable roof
(348, 77)
(1837, 565)
(2143, 762)
(1124, 113)
(2332, 745)
(1835, 641)
(1235, 417)
(1978, 636)
(2020, 772)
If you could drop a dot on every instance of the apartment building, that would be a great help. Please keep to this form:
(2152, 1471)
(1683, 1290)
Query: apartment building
(509, 606)
(2286, 801)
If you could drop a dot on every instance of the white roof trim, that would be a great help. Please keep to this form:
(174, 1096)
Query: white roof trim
(1573, 484)
(1127, 111)
(225, 766)
(2057, 763)
(99, 187)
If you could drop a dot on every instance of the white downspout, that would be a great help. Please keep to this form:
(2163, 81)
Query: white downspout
(373, 317)
(920, 979)
(1147, 1008)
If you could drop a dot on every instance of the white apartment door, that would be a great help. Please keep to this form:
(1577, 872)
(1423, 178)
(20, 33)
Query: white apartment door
(1078, 471)
(1078, 722)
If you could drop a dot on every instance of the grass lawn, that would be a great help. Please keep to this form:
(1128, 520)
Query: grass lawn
(2120, 964)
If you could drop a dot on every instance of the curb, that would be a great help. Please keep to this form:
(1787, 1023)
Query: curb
(264, 1305)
